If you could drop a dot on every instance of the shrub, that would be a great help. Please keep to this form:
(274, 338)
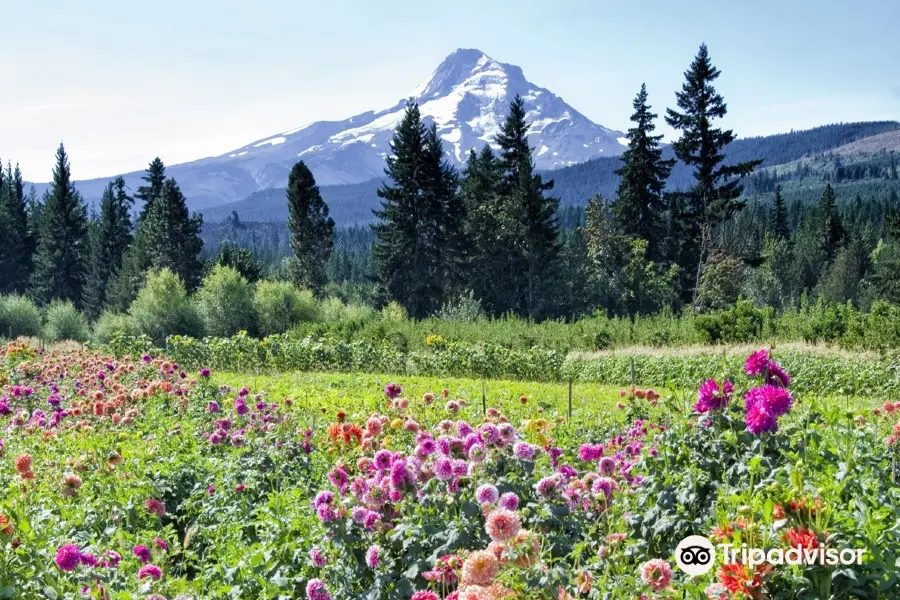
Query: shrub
(162, 308)
(225, 302)
(394, 312)
(111, 325)
(279, 306)
(741, 323)
(465, 307)
(64, 322)
(19, 317)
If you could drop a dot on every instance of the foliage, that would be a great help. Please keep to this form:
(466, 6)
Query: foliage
(312, 230)
(225, 302)
(18, 317)
(162, 308)
(110, 237)
(64, 322)
(279, 306)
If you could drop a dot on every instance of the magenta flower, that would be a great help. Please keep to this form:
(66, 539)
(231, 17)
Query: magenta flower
(509, 501)
(607, 465)
(775, 400)
(712, 396)
(111, 559)
(756, 363)
(373, 557)
(142, 552)
(316, 590)
(523, 451)
(205, 373)
(150, 571)
(161, 544)
(443, 468)
(777, 376)
(393, 390)
(89, 560)
(487, 494)
(317, 558)
(759, 420)
(68, 557)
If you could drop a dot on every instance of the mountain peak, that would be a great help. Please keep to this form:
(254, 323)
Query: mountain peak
(462, 65)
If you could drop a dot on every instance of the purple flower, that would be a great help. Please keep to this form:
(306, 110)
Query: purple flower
(338, 478)
(590, 452)
(463, 429)
(393, 390)
(373, 557)
(147, 358)
(604, 485)
(509, 501)
(756, 363)
(241, 407)
(711, 396)
(150, 571)
(777, 375)
(317, 558)
(68, 557)
(383, 460)
(142, 552)
(111, 559)
(323, 497)
(89, 560)
(205, 373)
(607, 465)
(487, 494)
(547, 486)
(161, 544)
(477, 453)
(212, 407)
(523, 451)
(775, 400)
(443, 468)
(316, 590)
(399, 474)
(489, 433)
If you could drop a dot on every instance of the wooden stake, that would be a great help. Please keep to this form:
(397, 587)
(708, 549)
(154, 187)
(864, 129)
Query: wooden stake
(570, 401)
(483, 397)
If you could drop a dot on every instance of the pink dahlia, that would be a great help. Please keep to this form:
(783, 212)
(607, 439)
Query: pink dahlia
(656, 573)
(425, 595)
(68, 557)
(316, 590)
(150, 571)
(503, 525)
(712, 396)
(756, 363)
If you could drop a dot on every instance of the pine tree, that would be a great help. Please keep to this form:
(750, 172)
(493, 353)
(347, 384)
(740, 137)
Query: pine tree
(312, 230)
(62, 247)
(639, 205)
(155, 177)
(418, 216)
(488, 248)
(832, 225)
(442, 184)
(110, 238)
(778, 218)
(716, 191)
(171, 237)
(531, 217)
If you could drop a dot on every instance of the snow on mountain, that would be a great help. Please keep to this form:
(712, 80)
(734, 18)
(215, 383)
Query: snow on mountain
(467, 98)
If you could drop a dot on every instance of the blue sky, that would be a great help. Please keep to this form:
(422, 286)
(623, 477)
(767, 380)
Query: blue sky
(121, 82)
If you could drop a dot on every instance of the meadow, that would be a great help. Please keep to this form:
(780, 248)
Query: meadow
(130, 477)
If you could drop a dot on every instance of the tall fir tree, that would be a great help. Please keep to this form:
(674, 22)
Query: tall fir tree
(312, 230)
(154, 177)
(111, 235)
(62, 247)
(171, 236)
(639, 203)
(530, 216)
(717, 186)
(410, 252)
(832, 225)
(487, 237)
(778, 217)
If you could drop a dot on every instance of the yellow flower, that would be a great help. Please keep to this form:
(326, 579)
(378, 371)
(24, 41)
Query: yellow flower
(542, 439)
(396, 424)
(386, 442)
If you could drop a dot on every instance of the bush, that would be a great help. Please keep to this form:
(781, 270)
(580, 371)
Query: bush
(162, 308)
(465, 307)
(19, 317)
(111, 325)
(225, 302)
(741, 323)
(64, 322)
(279, 306)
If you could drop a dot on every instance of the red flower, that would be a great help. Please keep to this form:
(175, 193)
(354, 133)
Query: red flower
(801, 538)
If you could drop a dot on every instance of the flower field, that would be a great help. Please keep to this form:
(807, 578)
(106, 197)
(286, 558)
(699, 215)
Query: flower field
(127, 478)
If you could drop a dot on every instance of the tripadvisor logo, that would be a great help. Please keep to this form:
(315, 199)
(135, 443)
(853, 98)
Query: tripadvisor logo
(695, 555)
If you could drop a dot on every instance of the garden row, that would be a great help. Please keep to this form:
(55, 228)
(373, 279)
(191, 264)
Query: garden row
(821, 372)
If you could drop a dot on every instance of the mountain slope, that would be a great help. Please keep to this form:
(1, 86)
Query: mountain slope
(351, 204)
(467, 98)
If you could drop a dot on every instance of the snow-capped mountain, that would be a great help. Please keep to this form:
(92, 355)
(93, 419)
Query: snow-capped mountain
(467, 98)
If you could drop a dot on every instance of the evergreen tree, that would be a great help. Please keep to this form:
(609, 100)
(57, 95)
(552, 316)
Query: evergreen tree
(110, 238)
(418, 216)
(155, 177)
(531, 218)
(241, 260)
(62, 247)
(171, 237)
(312, 230)
(778, 217)
(716, 191)
(639, 205)
(833, 227)
(487, 238)
(450, 232)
